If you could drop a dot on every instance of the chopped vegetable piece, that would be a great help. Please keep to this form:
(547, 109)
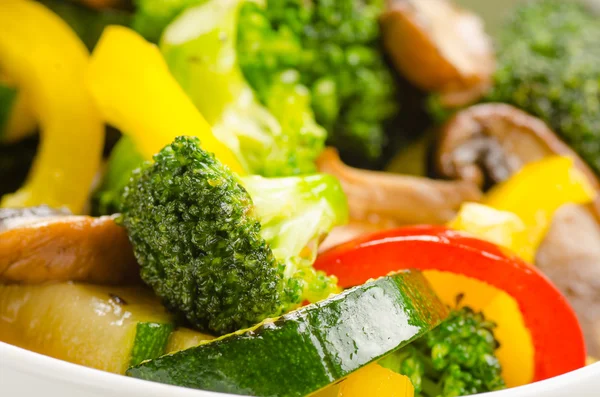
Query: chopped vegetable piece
(391, 200)
(457, 358)
(41, 247)
(487, 143)
(150, 341)
(503, 228)
(334, 46)
(279, 139)
(72, 132)
(437, 248)
(320, 343)
(549, 66)
(535, 193)
(184, 338)
(135, 92)
(371, 380)
(244, 247)
(440, 47)
(106, 328)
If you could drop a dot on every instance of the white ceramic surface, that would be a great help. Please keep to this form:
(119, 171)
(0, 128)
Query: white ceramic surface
(26, 374)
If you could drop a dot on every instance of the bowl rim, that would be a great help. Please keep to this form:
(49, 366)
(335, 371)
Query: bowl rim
(40, 366)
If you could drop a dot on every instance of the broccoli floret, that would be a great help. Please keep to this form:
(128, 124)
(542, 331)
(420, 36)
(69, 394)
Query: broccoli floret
(335, 48)
(455, 359)
(227, 252)
(549, 66)
(279, 139)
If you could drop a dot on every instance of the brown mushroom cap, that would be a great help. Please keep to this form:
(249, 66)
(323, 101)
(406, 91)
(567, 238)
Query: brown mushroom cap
(56, 247)
(390, 199)
(440, 47)
(486, 143)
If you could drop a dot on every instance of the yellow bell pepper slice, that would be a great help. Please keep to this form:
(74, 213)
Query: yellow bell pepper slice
(47, 61)
(536, 192)
(372, 380)
(135, 92)
(502, 228)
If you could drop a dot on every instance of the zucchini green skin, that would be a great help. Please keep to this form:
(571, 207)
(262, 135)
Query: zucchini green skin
(310, 348)
(150, 341)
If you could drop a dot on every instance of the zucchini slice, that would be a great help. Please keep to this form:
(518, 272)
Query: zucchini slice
(310, 348)
(106, 328)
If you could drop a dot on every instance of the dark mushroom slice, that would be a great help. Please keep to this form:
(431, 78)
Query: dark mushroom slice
(485, 144)
(40, 245)
(570, 257)
(390, 200)
(440, 47)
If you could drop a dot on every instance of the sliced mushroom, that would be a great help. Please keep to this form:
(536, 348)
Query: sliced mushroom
(440, 47)
(389, 200)
(485, 144)
(570, 257)
(41, 245)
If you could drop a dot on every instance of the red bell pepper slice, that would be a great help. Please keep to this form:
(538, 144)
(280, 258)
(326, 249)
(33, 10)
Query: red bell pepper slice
(556, 333)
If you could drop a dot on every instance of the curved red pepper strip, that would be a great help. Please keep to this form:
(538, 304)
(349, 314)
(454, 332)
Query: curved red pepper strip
(556, 334)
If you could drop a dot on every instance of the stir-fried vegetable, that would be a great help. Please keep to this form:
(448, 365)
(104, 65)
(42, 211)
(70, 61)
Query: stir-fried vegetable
(452, 254)
(244, 246)
(549, 65)
(280, 139)
(320, 343)
(222, 108)
(153, 114)
(334, 47)
(455, 359)
(553, 182)
(69, 123)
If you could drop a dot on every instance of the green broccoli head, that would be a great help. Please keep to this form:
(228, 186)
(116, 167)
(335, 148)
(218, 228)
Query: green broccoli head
(227, 252)
(335, 48)
(278, 138)
(455, 359)
(549, 66)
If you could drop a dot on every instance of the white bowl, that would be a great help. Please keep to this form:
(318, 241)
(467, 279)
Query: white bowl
(27, 374)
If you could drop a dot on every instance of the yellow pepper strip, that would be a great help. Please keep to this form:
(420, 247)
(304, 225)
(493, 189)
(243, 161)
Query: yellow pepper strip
(46, 59)
(21, 122)
(372, 380)
(536, 192)
(135, 92)
(502, 228)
